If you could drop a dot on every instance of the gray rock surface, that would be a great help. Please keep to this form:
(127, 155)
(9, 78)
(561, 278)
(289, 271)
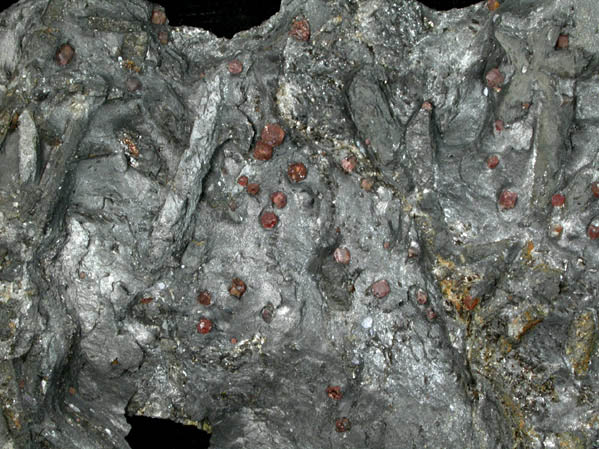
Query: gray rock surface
(120, 204)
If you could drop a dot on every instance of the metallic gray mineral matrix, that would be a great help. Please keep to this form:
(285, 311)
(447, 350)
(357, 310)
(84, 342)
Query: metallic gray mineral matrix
(430, 279)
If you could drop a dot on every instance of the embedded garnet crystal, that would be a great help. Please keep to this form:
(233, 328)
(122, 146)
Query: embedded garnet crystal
(342, 424)
(235, 67)
(558, 200)
(253, 188)
(273, 134)
(158, 17)
(349, 164)
(269, 220)
(342, 256)
(334, 392)
(494, 78)
(593, 230)
(243, 181)
(492, 162)
(237, 288)
(279, 199)
(205, 298)
(204, 326)
(300, 30)
(297, 172)
(508, 199)
(64, 54)
(380, 289)
(595, 189)
(367, 184)
(262, 151)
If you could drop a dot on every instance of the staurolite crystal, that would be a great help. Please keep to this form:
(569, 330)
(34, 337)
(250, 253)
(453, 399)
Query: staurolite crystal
(453, 155)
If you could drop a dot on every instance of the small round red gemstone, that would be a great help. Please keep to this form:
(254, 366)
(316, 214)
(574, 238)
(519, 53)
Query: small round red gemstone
(262, 151)
(380, 289)
(342, 255)
(279, 199)
(334, 392)
(237, 288)
(508, 199)
(300, 30)
(494, 78)
(297, 172)
(253, 188)
(499, 125)
(595, 189)
(205, 298)
(342, 425)
(204, 326)
(235, 67)
(421, 297)
(269, 220)
(158, 17)
(558, 200)
(349, 164)
(593, 231)
(243, 181)
(273, 134)
(492, 162)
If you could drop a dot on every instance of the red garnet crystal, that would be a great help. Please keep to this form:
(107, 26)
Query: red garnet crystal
(279, 199)
(273, 134)
(237, 288)
(204, 298)
(558, 200)
(262, 151)
(334, 392)
(235, 67)
(297, 172)
(204, 326)
(300, 30)
(380, 289)
(508, 199)
(269, 220)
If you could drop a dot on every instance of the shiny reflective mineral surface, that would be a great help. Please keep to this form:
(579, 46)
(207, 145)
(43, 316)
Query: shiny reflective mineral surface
(466, 316)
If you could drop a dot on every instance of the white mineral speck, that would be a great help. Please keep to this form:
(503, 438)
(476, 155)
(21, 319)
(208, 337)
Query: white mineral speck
(367, 322)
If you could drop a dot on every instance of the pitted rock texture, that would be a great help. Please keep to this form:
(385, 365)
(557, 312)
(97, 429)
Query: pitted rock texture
(120, 205)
